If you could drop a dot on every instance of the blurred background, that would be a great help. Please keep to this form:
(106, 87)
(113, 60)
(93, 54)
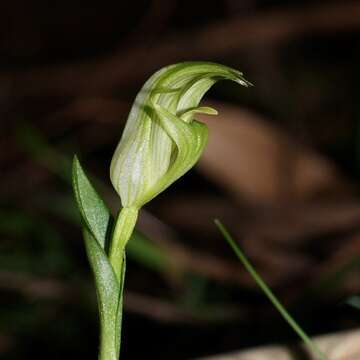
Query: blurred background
(281, 171)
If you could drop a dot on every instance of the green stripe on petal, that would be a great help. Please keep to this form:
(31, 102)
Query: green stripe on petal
(190, 141)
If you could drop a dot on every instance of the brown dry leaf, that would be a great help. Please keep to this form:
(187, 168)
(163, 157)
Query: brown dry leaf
(339, 346)
(261, 164)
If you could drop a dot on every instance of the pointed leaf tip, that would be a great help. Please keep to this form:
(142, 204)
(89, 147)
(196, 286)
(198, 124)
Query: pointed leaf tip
(92, 208)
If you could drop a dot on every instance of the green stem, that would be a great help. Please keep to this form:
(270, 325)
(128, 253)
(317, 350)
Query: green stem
(108, 349)
(309, 343)
(124, 227)
(110, 331)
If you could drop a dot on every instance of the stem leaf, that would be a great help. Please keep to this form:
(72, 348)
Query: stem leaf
(92, 208)
(109, 294)
(98, 224)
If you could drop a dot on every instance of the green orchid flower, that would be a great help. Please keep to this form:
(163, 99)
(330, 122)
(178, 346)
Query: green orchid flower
(161, 140)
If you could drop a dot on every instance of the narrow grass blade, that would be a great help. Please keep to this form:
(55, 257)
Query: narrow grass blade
(271, 296)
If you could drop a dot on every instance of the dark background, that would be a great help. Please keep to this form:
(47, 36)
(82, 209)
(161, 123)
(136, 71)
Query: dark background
(281, 171)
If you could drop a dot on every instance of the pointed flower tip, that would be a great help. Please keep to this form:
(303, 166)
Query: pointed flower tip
(161, 142)
(189, 114)
(244, 82)
(208, 110)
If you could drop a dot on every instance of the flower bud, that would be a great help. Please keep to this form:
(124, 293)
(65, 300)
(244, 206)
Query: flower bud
(161, 140)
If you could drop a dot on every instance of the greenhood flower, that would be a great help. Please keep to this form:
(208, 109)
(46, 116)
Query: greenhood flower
(161, 140)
